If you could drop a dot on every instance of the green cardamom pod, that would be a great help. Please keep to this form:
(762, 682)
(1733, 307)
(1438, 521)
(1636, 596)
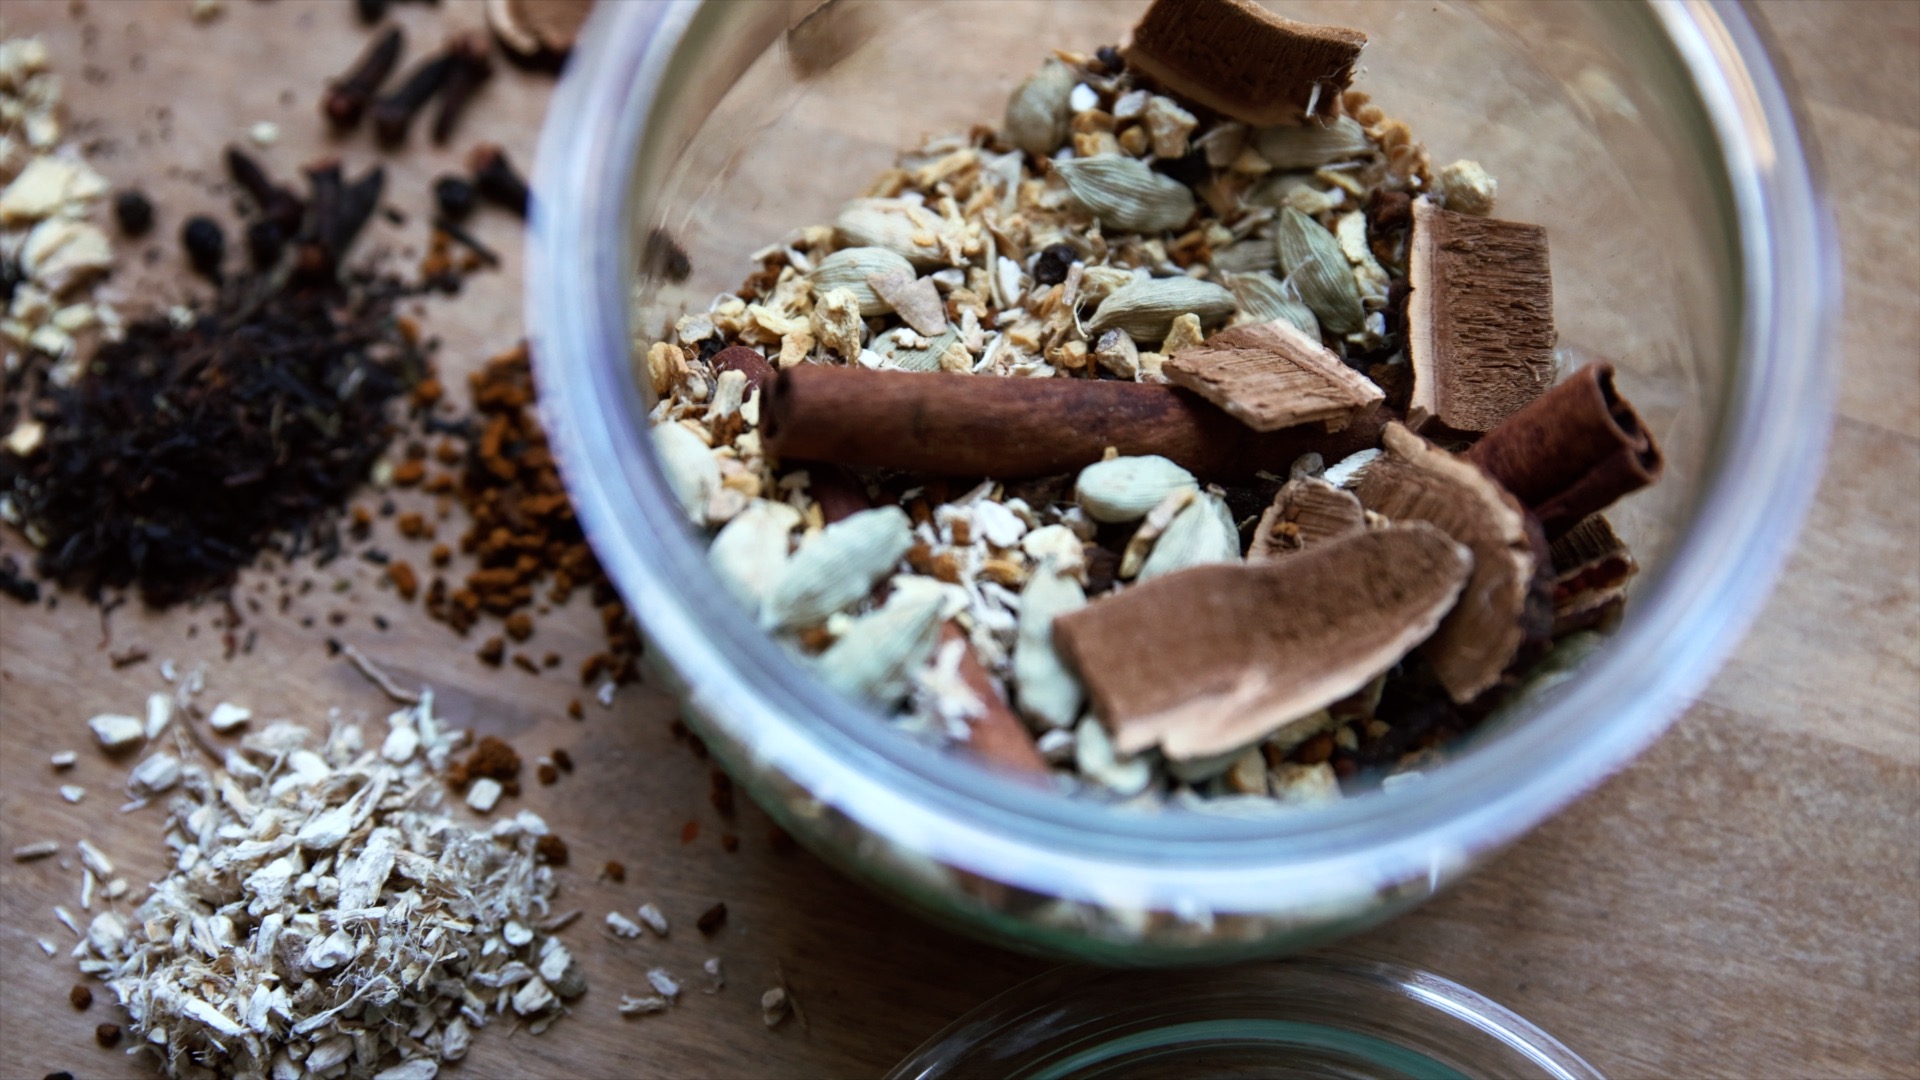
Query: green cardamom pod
(1125, 194)
(1317, 267)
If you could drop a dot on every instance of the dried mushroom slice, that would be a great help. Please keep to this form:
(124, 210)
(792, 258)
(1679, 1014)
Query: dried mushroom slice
(1271, 376)
(1238, 650)
(1238, 58)
(1417, 481)
(1479, 319)
(1306, 512)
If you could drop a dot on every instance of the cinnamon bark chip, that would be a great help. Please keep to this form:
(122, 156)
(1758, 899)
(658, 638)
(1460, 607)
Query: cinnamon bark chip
(1216, 657)
(996, 736)
(965, 425)
(1306, 512)
(1270, 376)
(1479, 320)
(1238, 58)
(1591, 565)
(1573, 452)
(1417, 481)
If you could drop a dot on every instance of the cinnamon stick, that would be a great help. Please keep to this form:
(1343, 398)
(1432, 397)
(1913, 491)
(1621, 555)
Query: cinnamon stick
(966, 425)
(1573, 451)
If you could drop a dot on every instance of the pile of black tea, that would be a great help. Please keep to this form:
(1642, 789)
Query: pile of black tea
(204, 442)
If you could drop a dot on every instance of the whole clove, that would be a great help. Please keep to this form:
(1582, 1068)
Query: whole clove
(470, 66)
(206, 246)
(455, 197)
(325, 184)
(347, 99)
(357, 203)
(393, 114)
(336, 214)
(467, 240)
(278, 211)
(134, 212)
(372, 11)
(496, 180)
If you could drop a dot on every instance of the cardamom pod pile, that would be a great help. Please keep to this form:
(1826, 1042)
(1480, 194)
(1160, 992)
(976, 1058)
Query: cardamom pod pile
(1219, 605)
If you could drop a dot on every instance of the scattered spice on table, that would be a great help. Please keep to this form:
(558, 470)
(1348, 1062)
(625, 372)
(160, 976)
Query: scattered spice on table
(400, 886)
(1183, 438)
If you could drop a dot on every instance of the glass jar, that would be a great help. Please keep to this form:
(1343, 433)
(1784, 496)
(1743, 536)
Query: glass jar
(1331, 1014)
(1688, 246)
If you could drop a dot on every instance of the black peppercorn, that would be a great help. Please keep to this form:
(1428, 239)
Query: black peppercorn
(1052, 265)
(1110, 59)
(455, 197)
(134, 213)
(206, 245)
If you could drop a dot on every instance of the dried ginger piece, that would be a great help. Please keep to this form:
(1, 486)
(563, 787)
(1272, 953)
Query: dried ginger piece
(321, 912)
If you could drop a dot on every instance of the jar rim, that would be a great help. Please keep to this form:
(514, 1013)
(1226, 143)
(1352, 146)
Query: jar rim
(1758, 490)
(1073, 1021)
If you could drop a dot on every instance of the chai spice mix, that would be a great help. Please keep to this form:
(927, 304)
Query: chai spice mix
(1186, 436)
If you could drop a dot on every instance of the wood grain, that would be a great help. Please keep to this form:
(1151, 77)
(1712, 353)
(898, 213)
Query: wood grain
(1743, 901)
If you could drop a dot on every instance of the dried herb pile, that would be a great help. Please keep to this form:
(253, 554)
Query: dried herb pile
(214, 438)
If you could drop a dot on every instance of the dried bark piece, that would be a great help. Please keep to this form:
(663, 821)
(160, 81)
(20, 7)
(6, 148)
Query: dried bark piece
(1479, 320)
(1216, 657)
(1591, 565)
(534, 29)
(1306, 512)
(997, 735)
(1417, 481)
(1271, 376)
(1236, 57)
(1573, 452)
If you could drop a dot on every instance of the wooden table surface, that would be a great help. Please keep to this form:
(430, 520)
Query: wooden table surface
(1744, 901)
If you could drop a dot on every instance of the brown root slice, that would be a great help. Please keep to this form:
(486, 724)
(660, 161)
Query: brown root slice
(1480, 332)
(1591, 565)
(1271, 376)
(1216, 657)
(968, 425)
(1306, 512)
(1238, 58)
(997, 736)
(1573, 452)
(1417, 481)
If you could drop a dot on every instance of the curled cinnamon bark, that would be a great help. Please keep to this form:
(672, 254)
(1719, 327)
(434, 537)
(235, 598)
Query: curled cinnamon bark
(966, 425)
(1573, 451)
